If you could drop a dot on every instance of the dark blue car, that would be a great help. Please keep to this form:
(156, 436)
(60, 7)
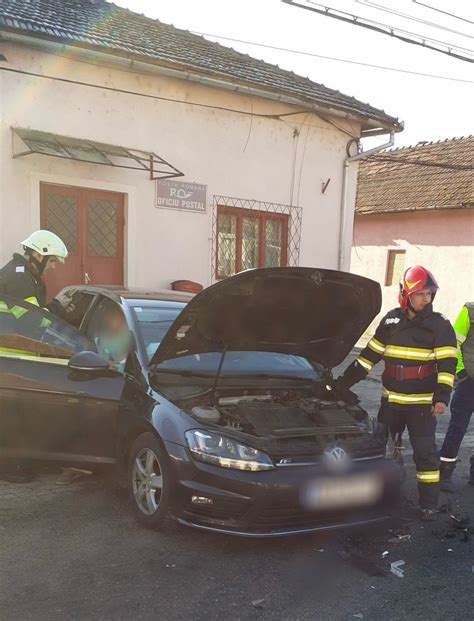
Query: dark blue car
(216, 409)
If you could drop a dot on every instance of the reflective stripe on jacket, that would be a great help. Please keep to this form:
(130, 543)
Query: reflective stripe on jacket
(427, 339)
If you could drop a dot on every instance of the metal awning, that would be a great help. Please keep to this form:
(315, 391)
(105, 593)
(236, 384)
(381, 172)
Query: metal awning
(83, 150)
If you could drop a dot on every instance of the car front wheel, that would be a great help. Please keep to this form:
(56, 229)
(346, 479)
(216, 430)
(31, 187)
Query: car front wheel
(149, 481)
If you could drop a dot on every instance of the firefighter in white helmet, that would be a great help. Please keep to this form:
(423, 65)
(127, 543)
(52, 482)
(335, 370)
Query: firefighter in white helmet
(22, 277)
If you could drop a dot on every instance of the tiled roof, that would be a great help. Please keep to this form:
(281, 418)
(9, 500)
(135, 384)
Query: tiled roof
(103, 25)
(434, 175)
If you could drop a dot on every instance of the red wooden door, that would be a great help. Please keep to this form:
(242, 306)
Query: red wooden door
(91, 223)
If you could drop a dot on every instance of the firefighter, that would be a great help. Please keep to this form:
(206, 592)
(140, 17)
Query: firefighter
(462, 405)
(22, 279)
(418, 346)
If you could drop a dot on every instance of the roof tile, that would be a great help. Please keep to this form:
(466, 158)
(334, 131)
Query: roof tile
(434, 175)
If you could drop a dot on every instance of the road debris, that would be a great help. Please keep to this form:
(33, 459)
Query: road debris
(395, 568)
(258, 603)
(358, 615)
(399, 538)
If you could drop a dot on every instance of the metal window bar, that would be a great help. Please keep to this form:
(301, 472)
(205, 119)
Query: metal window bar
(295, 217)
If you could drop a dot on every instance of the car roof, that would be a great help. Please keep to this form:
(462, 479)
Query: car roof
(118, 293)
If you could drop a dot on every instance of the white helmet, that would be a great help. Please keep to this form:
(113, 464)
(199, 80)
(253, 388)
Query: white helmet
(46, 244)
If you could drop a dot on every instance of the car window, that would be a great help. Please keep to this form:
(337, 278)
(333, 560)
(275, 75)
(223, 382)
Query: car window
(154, 322)
(27, 331)
(108, 329)
(80, 303)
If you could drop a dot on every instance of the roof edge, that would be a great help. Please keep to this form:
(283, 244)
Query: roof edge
(462, 207)
(374, 124)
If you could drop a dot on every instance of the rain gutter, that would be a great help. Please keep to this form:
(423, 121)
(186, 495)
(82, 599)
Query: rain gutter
(345, 187)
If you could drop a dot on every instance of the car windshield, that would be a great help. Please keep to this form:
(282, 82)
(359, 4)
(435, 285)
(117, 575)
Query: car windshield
(154, 321)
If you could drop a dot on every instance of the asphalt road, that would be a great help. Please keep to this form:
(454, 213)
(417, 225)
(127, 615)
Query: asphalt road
(75, 552)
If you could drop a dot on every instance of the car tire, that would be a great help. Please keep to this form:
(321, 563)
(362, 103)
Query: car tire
(149, 481)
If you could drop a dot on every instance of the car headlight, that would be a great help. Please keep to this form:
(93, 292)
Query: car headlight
(214, 448)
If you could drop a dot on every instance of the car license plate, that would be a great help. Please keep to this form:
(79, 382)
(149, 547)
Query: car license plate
(337, 493)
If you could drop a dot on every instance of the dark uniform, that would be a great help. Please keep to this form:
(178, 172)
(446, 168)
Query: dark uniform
(18, 281)
(420, 361)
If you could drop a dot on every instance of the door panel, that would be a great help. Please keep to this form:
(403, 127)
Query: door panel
(61, 214)
(47, 410)
(103, 247)
(91, 223)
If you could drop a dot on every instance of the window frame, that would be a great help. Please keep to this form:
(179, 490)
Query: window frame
(391, 252)
(261, 216)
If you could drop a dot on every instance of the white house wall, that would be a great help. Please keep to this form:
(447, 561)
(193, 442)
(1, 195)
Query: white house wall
(248, 157)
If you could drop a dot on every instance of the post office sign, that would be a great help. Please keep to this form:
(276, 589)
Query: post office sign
(172, 194)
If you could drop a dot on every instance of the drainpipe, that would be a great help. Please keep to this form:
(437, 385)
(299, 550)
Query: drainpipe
(345, 184)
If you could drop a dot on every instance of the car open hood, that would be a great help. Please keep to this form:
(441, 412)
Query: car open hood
(315, 313)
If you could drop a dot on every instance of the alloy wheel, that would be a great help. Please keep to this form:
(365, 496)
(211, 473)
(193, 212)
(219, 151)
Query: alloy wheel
(147, 481)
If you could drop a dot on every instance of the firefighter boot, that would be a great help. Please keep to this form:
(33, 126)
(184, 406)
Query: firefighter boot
(445, 474)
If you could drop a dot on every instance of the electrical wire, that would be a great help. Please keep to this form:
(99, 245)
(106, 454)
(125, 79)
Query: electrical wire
(358, 20)
(396, 33)
(433, 8)
(341, 60)
(407, 160)
(278, 117)
(413, 18)
(149, 96)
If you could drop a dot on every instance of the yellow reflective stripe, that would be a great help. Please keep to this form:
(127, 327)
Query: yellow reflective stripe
(19, 355)
(45, 323)
(446, 378)
(365, 363)
(410, 353)
(376, 346)
(32, 300)
(445, 352)
(9, 350)
(430, 476)
(18, 311)
(460, 338)
(401, 398)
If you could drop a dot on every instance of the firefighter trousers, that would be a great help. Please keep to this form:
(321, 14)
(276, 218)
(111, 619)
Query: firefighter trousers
(462, 407)
(421, 430)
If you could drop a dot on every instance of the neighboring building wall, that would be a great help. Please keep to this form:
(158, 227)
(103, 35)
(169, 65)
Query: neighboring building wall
(233, 154)
(442, 241)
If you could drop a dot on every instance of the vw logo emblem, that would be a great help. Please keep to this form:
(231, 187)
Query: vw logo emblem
(336, 457)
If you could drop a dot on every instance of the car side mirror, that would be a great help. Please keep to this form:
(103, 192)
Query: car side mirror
(88, 361)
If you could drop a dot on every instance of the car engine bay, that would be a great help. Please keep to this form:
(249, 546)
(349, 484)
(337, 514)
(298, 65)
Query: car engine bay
(288, 424)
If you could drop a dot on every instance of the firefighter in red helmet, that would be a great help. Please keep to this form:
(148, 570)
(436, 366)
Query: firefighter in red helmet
(418, 347)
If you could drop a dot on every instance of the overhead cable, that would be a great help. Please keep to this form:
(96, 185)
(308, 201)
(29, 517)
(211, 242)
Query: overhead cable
(397, 33)
(334, 58)
(407, 160)
(433, 8)
(413, 18)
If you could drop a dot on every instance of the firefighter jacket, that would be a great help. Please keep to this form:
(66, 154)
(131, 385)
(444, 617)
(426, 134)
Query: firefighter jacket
(426, 344)
(18, 281)
(465, 340)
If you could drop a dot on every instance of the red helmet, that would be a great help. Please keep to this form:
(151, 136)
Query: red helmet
(416, 279)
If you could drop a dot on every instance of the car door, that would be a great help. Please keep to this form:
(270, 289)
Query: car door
(44, 404)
